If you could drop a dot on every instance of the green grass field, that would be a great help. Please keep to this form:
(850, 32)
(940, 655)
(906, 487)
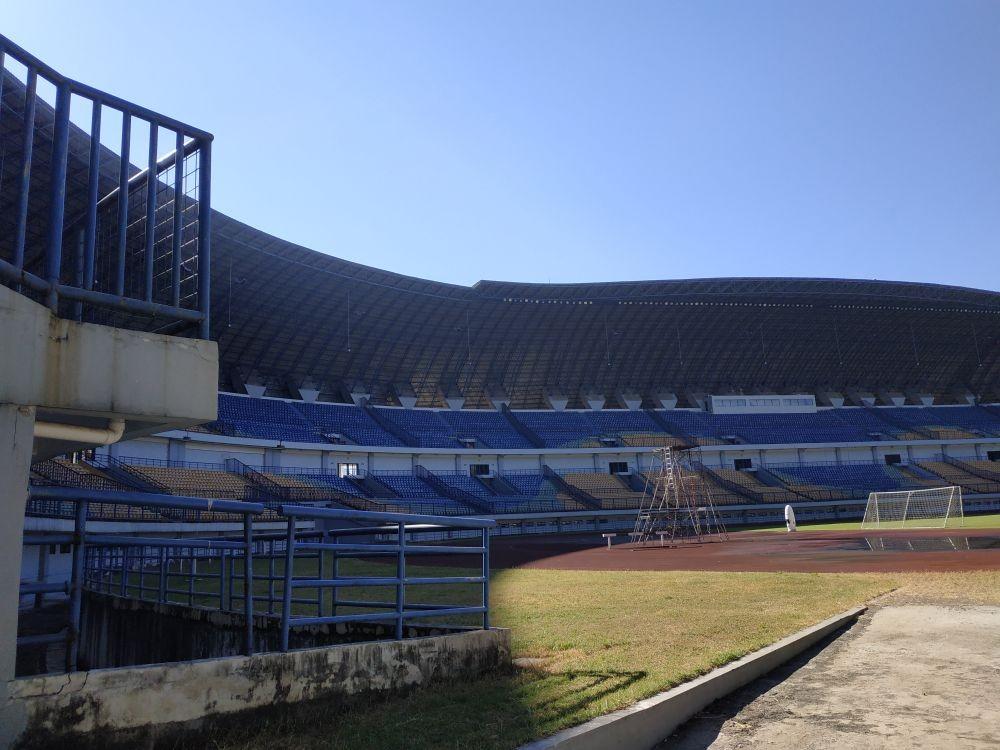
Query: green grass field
(980, 521)
(594, 641)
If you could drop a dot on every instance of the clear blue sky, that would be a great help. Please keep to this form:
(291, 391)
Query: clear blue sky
(579, 141)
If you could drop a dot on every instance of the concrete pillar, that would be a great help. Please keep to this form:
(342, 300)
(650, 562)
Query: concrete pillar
(17, 424)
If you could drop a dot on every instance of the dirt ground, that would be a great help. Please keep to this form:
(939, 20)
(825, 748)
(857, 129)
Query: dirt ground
(906, 675)
(812, 552)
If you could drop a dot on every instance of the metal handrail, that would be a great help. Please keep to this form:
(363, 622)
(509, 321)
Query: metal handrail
(81, 290)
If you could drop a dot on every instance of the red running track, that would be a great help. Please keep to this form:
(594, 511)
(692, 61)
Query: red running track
(802, 551)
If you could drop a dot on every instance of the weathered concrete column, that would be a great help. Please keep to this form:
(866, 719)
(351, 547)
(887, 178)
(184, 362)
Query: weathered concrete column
(17, 424)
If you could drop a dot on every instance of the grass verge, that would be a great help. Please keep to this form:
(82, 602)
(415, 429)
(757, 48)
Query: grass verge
(592, 642)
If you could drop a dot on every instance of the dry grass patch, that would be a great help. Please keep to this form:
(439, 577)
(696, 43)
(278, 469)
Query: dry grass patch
(603, 640)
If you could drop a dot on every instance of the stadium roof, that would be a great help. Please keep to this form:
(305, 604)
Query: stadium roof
(284, 315)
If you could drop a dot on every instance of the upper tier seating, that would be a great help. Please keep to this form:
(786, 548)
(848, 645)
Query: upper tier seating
(264, 418)
(276, 419)
(565, 429)
(945, 422)
(490, 428)
(350, 421)
(425, 425)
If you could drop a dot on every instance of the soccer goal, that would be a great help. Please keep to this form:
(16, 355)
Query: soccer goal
(937, 507)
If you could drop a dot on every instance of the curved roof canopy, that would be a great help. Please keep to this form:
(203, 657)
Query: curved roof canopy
(285, 316)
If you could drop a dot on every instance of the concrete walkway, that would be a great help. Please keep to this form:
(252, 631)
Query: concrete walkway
(912, 676)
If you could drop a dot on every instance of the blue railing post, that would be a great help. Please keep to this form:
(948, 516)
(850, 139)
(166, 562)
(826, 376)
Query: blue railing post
(401, 577)
(164, 561)
(486, 579)
(286, 594)
(150, 237)
(27, 148)
(204, 234)
(123, 176)
(57, 193)
(93, 185)
(178, 224)
(76, 587)
(248, 582)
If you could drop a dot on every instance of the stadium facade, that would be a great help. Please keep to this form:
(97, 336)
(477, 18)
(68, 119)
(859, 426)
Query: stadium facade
(352, 395)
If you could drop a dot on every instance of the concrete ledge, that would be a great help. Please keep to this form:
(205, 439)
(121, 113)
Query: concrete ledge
(48, 710)
(650, 721)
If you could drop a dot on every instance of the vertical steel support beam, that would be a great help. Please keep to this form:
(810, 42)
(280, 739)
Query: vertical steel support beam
(248, 582)
(334, 591)
(270, 577)
(178, 227)
(192, 571)
(123, 176)
(76, 587)
(204, 235)
(486, 579)
(151, 182)
(93, 185)
(286, 594)
(57, 193)
(319, 589)
(27, 147)
(400, 576)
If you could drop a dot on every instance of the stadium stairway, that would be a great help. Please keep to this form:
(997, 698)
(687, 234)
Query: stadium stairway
(389, 426)
(581, 496)
(901, 426)
(526, 432)
(454, 493)
(127, 475)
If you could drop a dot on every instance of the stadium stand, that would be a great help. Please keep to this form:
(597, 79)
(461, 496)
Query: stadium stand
(277, 419)
(427, 426)
(849, 480)
(490, 429)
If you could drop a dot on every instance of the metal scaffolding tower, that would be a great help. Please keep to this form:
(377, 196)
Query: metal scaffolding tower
(678, 504)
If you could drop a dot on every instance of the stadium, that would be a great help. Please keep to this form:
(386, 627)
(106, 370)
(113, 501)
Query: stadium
(237, 446)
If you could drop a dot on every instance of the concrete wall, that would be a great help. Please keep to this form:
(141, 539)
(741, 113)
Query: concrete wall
(49, 709)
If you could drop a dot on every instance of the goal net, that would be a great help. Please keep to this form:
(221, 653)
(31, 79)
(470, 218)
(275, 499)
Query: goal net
(937, 507)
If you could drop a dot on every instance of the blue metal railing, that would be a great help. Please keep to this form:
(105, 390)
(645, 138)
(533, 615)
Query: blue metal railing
(81, 540)
(400, 527)
(144, 246)
(225, 573)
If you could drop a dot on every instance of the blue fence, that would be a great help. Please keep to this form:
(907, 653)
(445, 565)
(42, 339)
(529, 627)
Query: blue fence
(262, 569)
(141, 235)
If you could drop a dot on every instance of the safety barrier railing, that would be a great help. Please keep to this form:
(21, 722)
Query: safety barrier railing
(297, 577)
(88, 547)
(397, 529)
(141, 236)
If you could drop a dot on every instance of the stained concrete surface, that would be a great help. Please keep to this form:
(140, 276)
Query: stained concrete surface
(912, 676)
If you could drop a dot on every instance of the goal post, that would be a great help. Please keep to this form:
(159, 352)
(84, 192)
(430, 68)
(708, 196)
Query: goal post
(935, 507)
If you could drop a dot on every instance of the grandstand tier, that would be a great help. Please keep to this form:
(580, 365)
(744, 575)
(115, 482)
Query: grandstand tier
(318, 422)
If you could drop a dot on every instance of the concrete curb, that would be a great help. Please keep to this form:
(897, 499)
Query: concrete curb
(650, 721)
